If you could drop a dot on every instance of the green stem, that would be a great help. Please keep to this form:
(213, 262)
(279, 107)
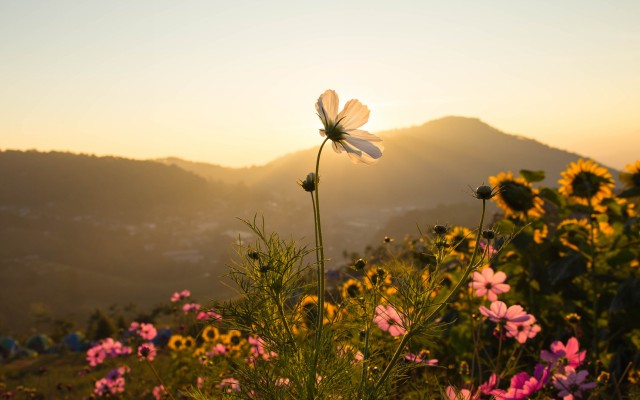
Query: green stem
(435, 312)
(499, 350)
(321, 283)
(159, 379)
(365, 350)
(594, 282)
(279, 302)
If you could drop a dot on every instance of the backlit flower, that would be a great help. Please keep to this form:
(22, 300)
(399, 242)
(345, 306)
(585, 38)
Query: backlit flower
(389, 320)
(562, 355)
(523, 330)
(586, 182)
(499, 312)
(516, 197)
(342, 128)
(572, 383)
(489, 283)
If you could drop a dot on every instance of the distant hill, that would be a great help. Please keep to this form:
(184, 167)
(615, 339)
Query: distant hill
(79, 230)
(422, 166)
(104, 186)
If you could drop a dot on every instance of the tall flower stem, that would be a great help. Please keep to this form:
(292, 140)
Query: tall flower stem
(592, 273)
(432, 315)
(320, 262)
(155, 373)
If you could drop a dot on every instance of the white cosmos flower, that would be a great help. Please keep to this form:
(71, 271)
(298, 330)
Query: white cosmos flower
(342, 128)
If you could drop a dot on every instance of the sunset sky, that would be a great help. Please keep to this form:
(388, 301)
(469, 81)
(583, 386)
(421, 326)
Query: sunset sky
(235, 82)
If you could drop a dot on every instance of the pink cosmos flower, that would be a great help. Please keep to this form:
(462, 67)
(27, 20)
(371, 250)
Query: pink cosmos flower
(180, 296)
(488, 386)
(96, 355)
(220, 349)
(499, 312)
(229, 385)
(199, 382)
(159, 392)
(147, 331)
(562, 355)
(457, 394)
(389, 320)
(522, 385)
(258, 348)
(421, 358)
(202, 315)
(134, 326)
(490, 250)
(489, 283)
(522, 331)
(112, 384)
(191, 308)
(571, 384)
(147, 351)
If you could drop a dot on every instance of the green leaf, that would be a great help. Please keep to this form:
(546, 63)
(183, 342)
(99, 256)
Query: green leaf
(552, 196)
(567, 268)
(633, 192)
(532, 176)
(622, 257)
(534, 285)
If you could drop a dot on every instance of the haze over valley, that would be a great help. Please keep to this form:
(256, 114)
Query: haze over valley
(81, 232)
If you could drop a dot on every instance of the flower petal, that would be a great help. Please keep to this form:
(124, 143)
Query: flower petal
(367, 143)
(353, 115)
(327, 107)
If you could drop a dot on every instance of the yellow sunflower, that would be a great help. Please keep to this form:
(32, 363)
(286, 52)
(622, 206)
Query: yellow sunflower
(539, 235)
(176, 343)
(189, 342)
(516, 197)
(233, 339)
(308, 311)
(573, 231)
(352, 289)
(586, 183)
(210, 334)
(631, 176)
(461, 241)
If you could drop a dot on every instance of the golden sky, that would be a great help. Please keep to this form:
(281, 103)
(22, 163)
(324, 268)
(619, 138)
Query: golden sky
(234, 83)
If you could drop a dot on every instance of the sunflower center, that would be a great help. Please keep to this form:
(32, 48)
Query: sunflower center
(635, 178)
(586, 184)
(516, 196)
(235, 340)
(353, 291)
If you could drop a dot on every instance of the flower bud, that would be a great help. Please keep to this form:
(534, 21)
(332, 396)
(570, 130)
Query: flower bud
(309, 183)
(387, 239)
(360, 264)
(484, 192)
(489, 234)
(440, 229)
(253, 255)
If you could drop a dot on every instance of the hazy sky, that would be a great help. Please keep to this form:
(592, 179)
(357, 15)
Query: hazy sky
(235, 82)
